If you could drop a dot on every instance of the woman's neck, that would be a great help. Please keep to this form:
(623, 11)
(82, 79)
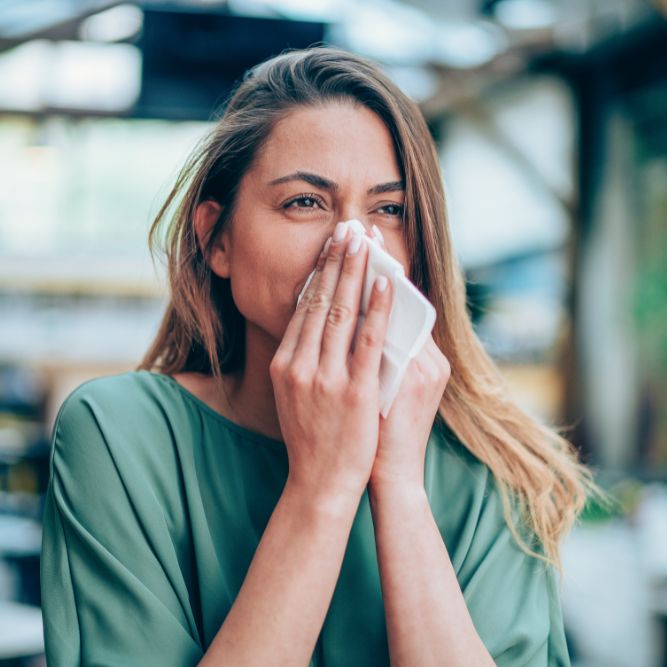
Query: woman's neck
(248, 395)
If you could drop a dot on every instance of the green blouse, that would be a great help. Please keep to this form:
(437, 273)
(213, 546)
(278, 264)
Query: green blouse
(156, 504)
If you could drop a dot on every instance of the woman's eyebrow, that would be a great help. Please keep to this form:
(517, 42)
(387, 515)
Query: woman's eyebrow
(391, 186)
(326, 184)
(313, 179)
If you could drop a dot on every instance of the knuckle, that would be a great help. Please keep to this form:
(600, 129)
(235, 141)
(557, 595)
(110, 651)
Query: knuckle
(324, 385)
(319, 301)
(368, 337)
(303, 303)
(276, 367)
(339, 314)
(306, 298)
(296, 377)
(357, 393)
(333, 257)
(446, 368)
(320, 385)
(421, 377)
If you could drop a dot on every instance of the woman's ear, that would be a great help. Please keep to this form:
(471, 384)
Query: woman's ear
(206, 215)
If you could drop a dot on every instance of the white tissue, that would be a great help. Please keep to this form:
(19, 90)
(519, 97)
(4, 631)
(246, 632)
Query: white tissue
(411, 318)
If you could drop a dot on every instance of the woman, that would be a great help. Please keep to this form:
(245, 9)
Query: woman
(237, 499)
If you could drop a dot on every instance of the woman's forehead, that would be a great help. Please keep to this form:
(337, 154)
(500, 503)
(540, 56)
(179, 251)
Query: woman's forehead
(338, 139)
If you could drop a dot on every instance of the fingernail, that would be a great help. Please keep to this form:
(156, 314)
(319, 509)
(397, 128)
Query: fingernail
(340, 231)
(354, 244)
(378, 233)
(326, 246)
(381, 283)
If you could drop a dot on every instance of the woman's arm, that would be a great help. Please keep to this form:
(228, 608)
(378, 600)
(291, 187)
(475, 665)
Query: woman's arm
(327, 401)
(428, 622)
(279, 611)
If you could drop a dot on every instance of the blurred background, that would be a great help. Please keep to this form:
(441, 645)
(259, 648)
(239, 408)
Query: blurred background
(551, 121)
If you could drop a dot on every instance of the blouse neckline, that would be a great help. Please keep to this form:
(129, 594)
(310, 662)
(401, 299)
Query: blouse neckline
(207, 409)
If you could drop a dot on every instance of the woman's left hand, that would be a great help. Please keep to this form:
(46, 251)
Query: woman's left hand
(404, 434)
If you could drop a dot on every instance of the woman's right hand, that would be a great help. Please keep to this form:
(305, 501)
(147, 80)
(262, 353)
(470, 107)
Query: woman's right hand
(327, 395)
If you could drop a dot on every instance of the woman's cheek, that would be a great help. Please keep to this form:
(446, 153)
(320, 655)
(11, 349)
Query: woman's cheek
(267, 299)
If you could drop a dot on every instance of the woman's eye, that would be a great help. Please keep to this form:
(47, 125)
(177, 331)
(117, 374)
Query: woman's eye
(392, 209)
(305, 201)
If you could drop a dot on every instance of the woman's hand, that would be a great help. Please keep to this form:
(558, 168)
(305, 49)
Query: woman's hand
(327, 395)
(399, 461)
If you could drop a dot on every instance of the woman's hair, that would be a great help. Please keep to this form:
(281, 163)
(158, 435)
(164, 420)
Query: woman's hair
(537, 470)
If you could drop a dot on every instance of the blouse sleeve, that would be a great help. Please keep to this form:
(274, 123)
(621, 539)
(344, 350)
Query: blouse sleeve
(512, 597)
(110, 591)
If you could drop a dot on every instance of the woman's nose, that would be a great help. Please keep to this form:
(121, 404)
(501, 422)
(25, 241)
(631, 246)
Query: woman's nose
(372, 231)
(367, 225)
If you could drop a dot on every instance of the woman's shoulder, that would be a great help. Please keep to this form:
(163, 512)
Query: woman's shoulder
(112, 391)
(130, 400)
(124, 436)
(464, 494)
(523, 621)
(120, 469)
(123, 420)
(452, 465)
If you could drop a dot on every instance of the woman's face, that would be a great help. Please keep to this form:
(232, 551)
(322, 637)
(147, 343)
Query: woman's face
(319, 166)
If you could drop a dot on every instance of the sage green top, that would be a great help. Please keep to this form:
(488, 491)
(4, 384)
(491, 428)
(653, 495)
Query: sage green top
(157, 502)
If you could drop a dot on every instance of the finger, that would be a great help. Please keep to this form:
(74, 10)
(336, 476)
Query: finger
(433, 352)
(290, 338)
(341, 322)
(440, 360)
(433, 360)
(428, 350)
(367, 353)
(317, 309)
(378, 235)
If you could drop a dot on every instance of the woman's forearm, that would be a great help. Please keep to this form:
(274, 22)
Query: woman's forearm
(428, 622)
(280, 609)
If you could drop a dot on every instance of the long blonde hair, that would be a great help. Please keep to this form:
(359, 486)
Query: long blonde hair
(537, 470)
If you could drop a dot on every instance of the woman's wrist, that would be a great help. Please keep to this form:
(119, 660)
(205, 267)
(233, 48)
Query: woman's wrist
(404, 493)
(331, 501)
